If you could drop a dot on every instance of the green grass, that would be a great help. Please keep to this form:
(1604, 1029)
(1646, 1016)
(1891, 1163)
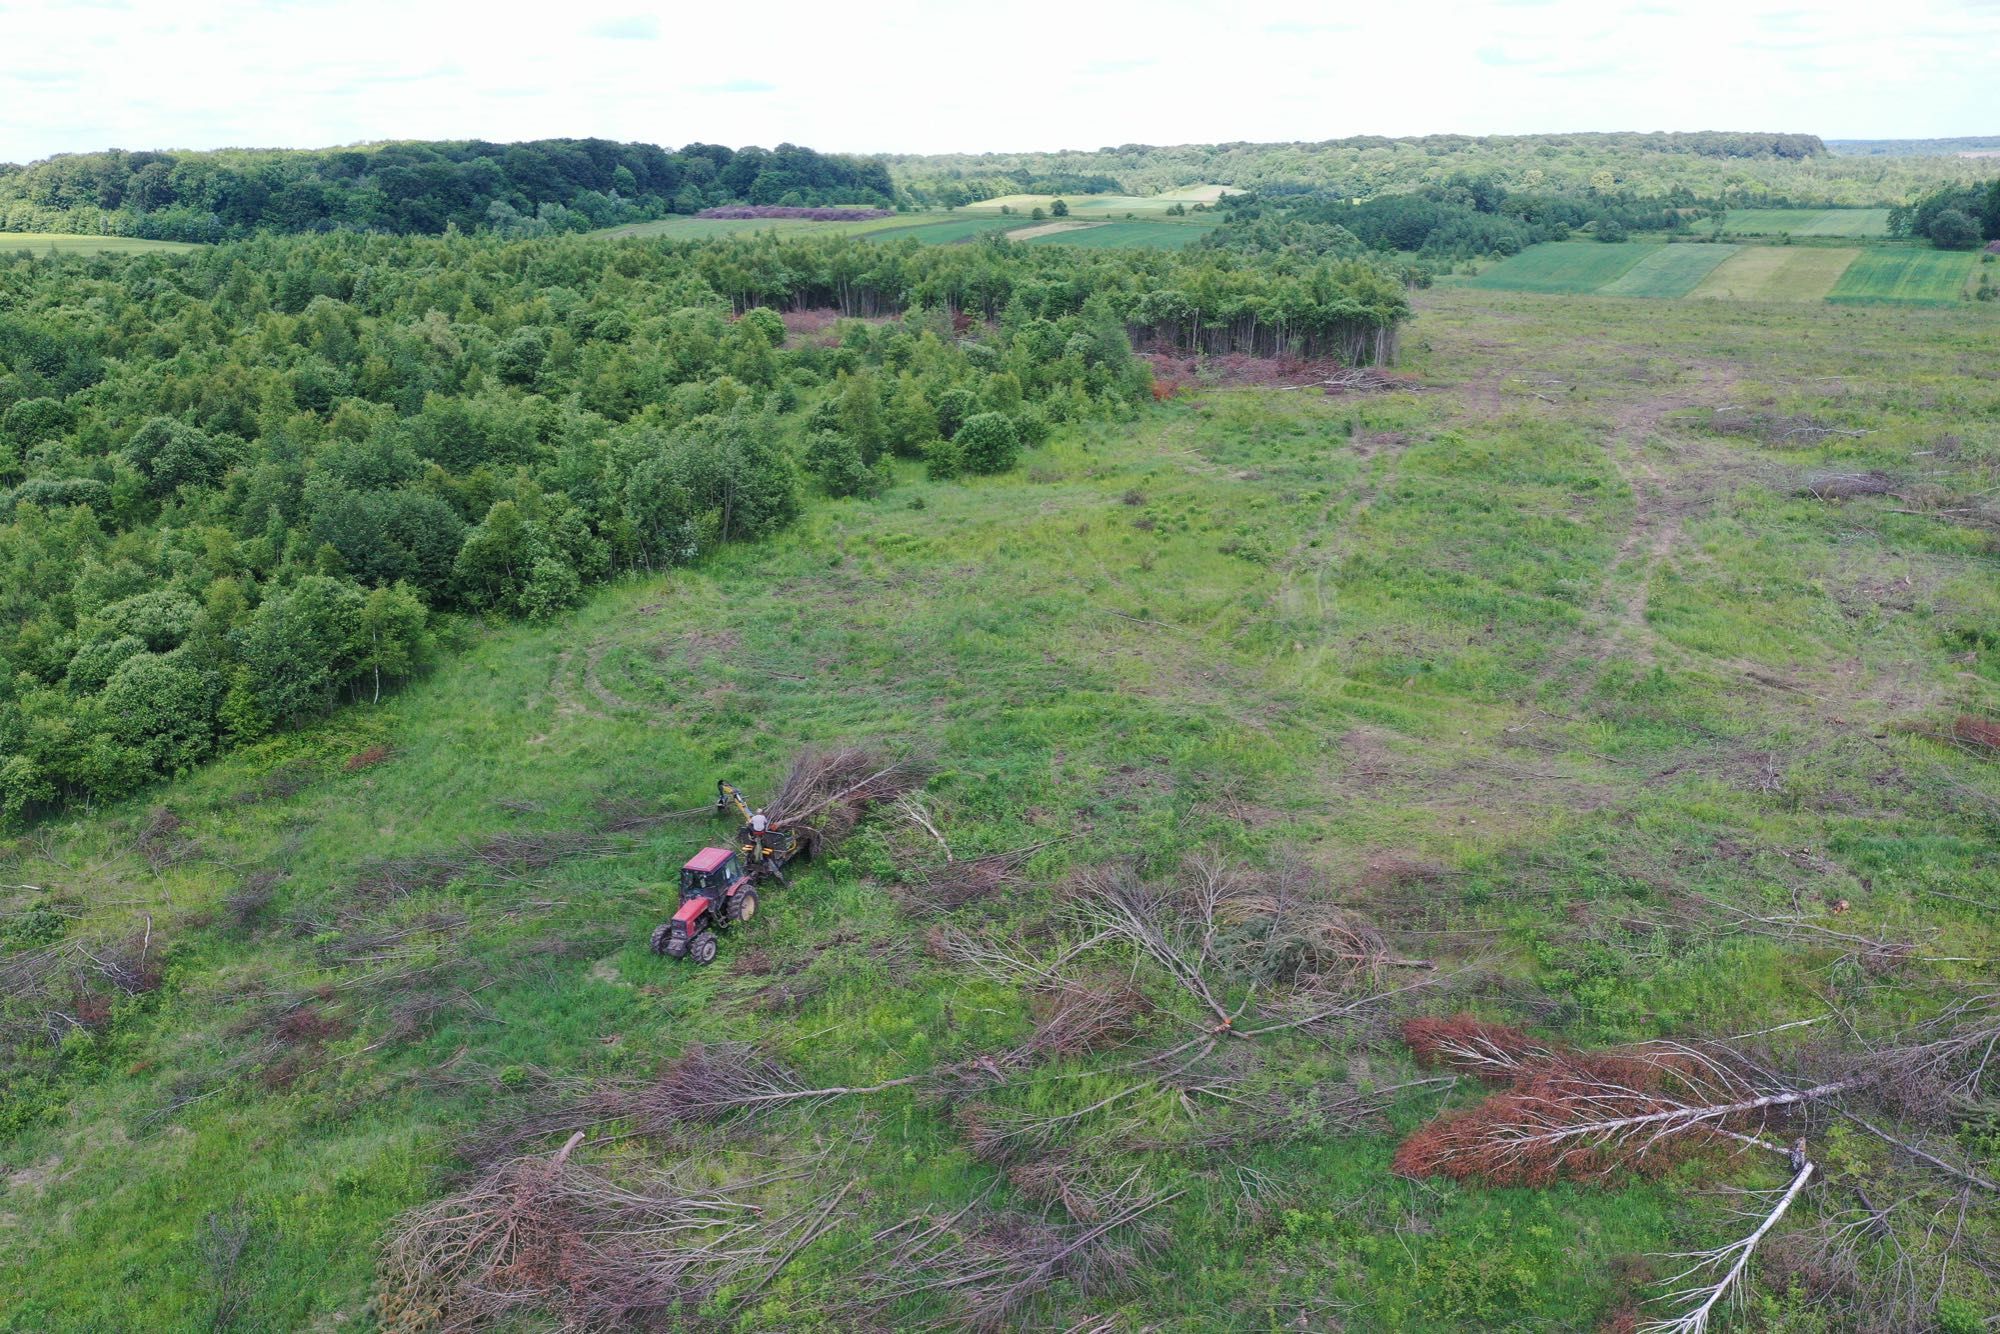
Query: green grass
(1564, 266)
(1777, 273)
(1527, 625)
(949, 230)
(1672, 271)
(1926, 277)
(67, 243)
(694, 229)
(1854, 222)
(1161, 235)
(1104, 206)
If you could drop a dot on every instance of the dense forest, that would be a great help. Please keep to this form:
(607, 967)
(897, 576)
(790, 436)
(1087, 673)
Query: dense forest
(246, 482)
(1953, 217)
(1740, 170)
(521, 189)
(1466, 216)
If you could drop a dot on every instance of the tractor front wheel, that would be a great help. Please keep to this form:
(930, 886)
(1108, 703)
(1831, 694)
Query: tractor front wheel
(702, 949)
(743, 905)
(664, 942)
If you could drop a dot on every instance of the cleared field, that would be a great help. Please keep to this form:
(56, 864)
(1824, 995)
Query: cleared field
(1106, 206)
(1776, 273)
(1858, 222)
(1158, 235)
(945, 231)
(1056, 228)
(65, 243)
(1564, 266)
(695, 229)
(1671, 271)
(1928, 277)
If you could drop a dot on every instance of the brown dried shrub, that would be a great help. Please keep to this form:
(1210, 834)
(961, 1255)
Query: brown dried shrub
(368, 758)
(308, 1025)
(1977, 734)
(1077, 1018)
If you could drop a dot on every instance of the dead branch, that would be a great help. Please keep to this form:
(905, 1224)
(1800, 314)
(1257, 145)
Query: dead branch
(1736, 1256)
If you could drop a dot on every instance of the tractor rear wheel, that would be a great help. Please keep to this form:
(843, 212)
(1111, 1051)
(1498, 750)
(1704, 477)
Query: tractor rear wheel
(743, 905)
(702, 948)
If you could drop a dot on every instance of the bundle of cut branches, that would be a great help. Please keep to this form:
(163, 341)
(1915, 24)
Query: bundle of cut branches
(570, 1242)
(994, 1265)
(828, 791)
(957, 883)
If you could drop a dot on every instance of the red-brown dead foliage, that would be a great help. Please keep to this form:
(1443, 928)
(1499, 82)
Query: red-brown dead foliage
(369, 758)
(93, 1011)
(308, 1026)
(1978, 734)
(1493, 1052)
(1563, 1113)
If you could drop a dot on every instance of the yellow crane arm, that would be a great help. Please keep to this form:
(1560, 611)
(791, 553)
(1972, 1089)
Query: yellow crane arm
(725, 792)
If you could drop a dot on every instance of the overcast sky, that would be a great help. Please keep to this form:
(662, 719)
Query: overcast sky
(927, 76)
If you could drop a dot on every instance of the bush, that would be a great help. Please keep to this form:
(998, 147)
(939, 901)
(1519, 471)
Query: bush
(1611, 231)
(1954, 229)
(943, 459)
(988, 443)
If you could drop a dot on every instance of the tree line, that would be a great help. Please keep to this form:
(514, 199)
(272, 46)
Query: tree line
(1952, 217)
(520, 189)
(1467, 215)
(241, 484)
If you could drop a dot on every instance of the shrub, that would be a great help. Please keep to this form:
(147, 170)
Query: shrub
(988, 443)
(1954, 229)
(943, 459)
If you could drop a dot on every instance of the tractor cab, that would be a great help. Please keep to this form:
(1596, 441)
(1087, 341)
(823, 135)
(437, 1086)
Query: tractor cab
(714, 894)
(709, 874)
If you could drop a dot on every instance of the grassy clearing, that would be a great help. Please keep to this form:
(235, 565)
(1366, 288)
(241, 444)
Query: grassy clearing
(1776, 273)
(1672, 271)
(1530, 631)
(66, 243)
(948, 231)
(1855, 222)
(1105, 206)
(694, 229)
(1925, 277)
(1157, 235)
(1564, 266)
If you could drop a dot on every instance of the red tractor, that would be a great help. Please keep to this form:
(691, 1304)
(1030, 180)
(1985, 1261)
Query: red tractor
(714, 893)
(718, 884)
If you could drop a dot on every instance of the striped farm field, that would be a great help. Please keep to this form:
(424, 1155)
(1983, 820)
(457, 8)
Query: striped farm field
(1855, 222)
(1564, 266)
(1153, 235)
(1670, 271)
(1776, 273)
(948, 231)
(698, 229)
(67, 243)
(1925, 277)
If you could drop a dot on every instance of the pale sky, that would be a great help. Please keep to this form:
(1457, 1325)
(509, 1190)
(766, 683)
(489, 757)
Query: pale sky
(925, 76)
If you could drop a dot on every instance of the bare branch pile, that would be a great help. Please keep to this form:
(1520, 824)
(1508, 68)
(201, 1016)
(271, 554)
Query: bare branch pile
(829, 790)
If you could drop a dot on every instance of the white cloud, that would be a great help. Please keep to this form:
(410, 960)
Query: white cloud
(938, 75)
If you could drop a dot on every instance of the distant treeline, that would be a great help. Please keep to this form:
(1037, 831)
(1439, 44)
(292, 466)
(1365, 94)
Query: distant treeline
(242, 483)
(522, 189)
(1741, 170)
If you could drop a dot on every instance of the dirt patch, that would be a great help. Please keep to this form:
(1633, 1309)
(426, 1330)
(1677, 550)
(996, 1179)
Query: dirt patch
(1175, 372)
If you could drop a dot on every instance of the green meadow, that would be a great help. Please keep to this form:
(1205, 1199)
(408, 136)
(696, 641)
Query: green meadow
(1528, 659)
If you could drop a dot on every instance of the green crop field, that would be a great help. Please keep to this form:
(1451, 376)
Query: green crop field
(1573, 710)
(1564, 266)
(1924, 276)
(1671, 271)
(948, 230)
(694, 229)
(1777, 273)
(1854, 222)
(1105, 206)
(1168, 235)
(69, 243)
